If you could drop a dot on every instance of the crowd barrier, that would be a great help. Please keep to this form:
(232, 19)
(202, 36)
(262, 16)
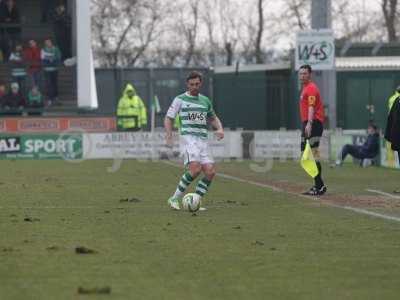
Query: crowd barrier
(77, 143)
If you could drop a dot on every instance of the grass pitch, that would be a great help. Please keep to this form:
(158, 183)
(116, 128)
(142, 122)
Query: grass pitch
(252, 243)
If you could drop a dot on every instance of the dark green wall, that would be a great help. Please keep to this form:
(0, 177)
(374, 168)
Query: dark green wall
(269, 100)
(256, 100)
(357, 90)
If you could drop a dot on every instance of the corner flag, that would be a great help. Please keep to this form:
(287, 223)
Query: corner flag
(307, 161)
(156, 105)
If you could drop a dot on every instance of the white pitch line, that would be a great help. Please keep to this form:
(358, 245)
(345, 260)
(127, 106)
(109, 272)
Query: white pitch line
(48, 207)
(383, 193)
(226, 176)
(353, 209)
(370, 213)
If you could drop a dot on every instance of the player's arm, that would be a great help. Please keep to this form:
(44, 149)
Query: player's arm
(311, 110)
(168, 130)
(169, 120)
(217, 125)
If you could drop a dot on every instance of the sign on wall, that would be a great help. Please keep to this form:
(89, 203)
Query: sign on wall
(315, 48)
(147, 145)
(62, 124)
(50, 146)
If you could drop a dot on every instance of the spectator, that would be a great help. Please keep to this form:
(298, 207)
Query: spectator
(131, 112)
(18, 71)
(390, 156)
(4, 45)
(46, 6)
(51, 57)
(35, 99)
(392, 132)
(369, 149)
(62, 30)
(33, 61)
(3, 94)
(10, 15)
(14, 99)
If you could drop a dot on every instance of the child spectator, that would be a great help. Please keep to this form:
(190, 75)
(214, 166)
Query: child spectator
(35, 98)
(14, 99)
(51, 58)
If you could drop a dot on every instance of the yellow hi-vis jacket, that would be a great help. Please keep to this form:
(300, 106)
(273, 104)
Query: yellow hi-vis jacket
(131, 111)
(392, 99)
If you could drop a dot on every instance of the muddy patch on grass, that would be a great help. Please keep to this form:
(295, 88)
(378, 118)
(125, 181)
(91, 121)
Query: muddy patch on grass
(94, 291)
(84, 250)
(382, 203)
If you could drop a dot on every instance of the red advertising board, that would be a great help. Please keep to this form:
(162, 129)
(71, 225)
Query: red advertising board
(54, 125)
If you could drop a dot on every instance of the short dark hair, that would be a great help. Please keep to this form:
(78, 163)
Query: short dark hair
(193, 75)
(398, 89)
(372, 125)
(307, 67)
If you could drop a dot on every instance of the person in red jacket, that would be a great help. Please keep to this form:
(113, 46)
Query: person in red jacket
(33, 61)
(312, 117)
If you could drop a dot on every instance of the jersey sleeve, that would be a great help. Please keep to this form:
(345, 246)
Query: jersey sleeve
(311, 96)
(173, 110)
(210, 111)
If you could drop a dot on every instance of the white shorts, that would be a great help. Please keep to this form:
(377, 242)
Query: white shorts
(195, 149)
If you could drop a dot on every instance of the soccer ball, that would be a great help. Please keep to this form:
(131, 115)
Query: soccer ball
(191, 202)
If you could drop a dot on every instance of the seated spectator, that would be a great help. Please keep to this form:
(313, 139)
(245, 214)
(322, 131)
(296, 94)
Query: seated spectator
(369, 149)
(18, 71)
(33, 62)
(51, 58)
(35, 98)
(14, 99)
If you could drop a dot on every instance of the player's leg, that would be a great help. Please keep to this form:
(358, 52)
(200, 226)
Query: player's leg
(316, 134)
(193, 170)
(208, 169)
(190, 153)
(312, 190)
(204, 184)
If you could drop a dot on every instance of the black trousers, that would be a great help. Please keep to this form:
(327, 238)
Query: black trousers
(353, 150)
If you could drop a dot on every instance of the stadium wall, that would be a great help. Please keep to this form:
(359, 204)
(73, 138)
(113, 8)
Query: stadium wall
(238, 145)
(165, 83)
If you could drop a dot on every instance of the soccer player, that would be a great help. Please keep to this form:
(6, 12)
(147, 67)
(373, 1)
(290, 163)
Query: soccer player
(312, 117)
(195, 112)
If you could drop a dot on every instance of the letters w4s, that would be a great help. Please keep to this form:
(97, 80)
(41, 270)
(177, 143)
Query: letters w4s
(196, 116)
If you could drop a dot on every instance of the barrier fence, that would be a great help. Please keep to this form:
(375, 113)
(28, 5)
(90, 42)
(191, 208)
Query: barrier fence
(79, 144)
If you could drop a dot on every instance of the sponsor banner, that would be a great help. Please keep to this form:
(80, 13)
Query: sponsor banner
(315, 48)
(54, 125)
(10, 144)
(2, 125)
(51, 146)
(283, 145)
(146, 145)
(37, 125)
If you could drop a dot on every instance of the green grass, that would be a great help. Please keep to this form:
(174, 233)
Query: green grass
(258, 245)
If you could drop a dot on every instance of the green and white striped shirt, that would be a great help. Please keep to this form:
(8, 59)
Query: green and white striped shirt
(193, 111)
